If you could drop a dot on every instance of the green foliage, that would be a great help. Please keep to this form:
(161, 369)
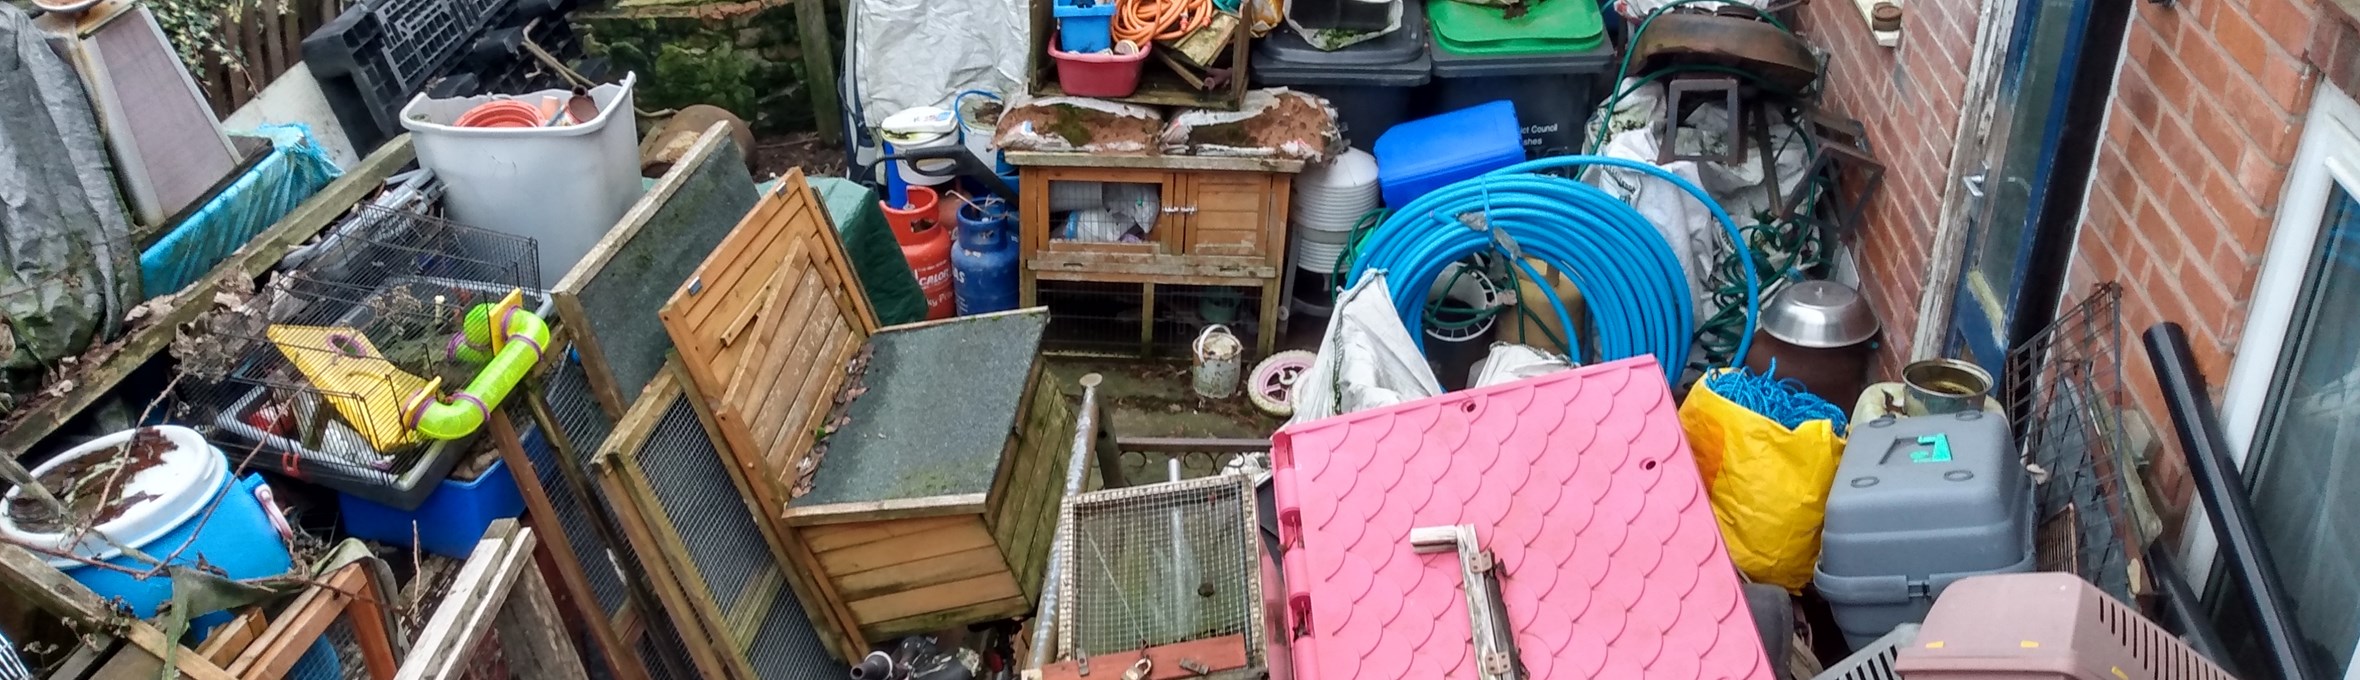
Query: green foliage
(715, 74)
(194, 28)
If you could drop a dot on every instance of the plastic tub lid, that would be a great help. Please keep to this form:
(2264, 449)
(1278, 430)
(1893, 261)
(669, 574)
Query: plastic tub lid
(1546, 28)
(1397, 59)
(919, 125)
(180, 485)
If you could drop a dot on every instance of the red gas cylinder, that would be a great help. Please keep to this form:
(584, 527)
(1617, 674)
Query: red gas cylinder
(926, 243)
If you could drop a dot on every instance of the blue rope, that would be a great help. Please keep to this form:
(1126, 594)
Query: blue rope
(1780, 400)
(1635, 290)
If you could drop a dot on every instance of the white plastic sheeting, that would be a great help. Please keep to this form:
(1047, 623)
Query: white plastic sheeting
(1366, 358)
(908, 53)
(1510, 362)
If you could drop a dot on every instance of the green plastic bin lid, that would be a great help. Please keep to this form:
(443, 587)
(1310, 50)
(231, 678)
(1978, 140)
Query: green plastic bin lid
(1548, 26)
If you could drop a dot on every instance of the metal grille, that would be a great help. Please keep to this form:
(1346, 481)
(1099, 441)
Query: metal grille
(2064, 393)
(1091, 317)
(586, 426)
(275, 372)
(689, 479)
(786, 647)
(1161, 564)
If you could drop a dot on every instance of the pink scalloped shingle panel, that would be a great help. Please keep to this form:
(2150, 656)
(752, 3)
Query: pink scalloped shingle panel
(1581, 485)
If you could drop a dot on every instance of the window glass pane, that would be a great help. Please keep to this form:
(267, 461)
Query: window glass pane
(2304, 470)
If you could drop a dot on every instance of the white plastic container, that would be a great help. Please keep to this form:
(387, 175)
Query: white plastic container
(562, 186)
(923, 127)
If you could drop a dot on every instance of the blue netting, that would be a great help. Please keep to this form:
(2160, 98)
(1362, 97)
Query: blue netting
(295, 169)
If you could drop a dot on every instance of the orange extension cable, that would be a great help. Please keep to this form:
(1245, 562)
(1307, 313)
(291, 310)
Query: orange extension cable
(1145, 21)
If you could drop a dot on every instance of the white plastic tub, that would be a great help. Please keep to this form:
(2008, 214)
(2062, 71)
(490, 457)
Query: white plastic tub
(562, 186)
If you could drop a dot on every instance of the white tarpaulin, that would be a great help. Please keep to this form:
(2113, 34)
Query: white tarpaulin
(1366, 358)
(908, 53)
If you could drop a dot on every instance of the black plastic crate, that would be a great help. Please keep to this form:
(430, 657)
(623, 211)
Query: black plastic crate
(372, 58)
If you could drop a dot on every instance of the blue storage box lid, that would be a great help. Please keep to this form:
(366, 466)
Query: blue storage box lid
(1429, 153)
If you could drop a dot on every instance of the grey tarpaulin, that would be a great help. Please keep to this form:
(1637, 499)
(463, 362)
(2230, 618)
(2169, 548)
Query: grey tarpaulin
(68, 275)
(905, 53)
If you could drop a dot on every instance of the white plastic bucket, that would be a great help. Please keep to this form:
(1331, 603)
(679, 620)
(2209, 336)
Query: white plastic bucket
(924, 127)
(563, 186)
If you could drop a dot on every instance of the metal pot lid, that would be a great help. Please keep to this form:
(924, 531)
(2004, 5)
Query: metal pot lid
(1819, 314)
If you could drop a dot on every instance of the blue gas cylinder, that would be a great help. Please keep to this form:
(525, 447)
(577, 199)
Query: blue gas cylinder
(983, 265)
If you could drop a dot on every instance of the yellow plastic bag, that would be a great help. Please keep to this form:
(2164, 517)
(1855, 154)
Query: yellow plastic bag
(1768, 484)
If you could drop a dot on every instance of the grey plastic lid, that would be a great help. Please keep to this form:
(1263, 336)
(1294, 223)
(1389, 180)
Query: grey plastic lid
(1597, 61)
(1397, 59)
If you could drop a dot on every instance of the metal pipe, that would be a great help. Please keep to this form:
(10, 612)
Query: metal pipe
(2222, 488)
(1077, 469)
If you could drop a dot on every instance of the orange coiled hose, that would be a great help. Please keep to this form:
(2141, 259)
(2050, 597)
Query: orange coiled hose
(1145, 21)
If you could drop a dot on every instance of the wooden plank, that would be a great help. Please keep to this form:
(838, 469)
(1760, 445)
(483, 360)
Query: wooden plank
(107, 366)
(1154, 162)
(532, 635)
(951, 618)
(25, 576)
(998, 585)
(466, 612)
(813, 403)
(944, 541)
(300, 625)
(958, 566)
(1223, 653)
(966, 504)
(862, 311)
(754, 605)
(369, 627)
(231, 639)
(1051, 434)
(848, 643)
(1011, 448)
(542, 515)
(826, 537)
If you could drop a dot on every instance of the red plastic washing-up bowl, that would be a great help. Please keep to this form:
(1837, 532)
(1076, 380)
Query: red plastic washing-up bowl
(1097, 74)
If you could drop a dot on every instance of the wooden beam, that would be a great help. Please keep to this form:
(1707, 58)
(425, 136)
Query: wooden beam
(26, 576)
(900, 508)
(819, 70)
(532, 632)
(300, 625)
(476, 596)
(107, 365)
(568, 563)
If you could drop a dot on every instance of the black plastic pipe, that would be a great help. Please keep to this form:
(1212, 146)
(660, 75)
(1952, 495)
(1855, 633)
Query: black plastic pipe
(2182, 611)
(2222, 488)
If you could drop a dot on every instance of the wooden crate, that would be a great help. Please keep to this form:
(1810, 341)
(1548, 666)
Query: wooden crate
(909, 475)
(1224, 223)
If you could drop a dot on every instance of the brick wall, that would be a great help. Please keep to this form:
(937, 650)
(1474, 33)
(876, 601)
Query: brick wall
(1908, 97)
(2208, 108)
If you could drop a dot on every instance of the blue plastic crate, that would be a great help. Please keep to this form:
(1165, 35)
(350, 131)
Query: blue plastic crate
(1430, 153)
(1083, 25)
(451, 520)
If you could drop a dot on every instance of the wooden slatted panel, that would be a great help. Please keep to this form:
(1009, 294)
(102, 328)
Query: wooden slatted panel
(1229, 214)
(765, 327)
(1031, 485)
(903, 576)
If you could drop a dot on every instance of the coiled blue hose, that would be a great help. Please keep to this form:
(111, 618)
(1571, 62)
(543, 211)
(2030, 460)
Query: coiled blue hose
(1637, 294)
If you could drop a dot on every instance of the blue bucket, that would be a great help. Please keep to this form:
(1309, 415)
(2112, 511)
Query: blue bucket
(242, 538)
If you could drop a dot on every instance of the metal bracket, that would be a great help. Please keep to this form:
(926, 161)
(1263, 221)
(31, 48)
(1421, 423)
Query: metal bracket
(1668, 129)
(1843, 148)
(1487, 612)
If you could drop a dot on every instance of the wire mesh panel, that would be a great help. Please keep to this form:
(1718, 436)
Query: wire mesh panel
(2064, 393)
(578, 416)
(1113, 318)
(1158, 565)
(686, 472)
(319, 371)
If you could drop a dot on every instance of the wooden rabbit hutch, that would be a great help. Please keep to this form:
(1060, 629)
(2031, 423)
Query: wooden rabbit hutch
(910, 475)
(1217, 222)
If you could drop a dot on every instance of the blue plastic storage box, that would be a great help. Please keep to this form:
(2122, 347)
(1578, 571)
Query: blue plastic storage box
(1083, 25)
(451, 520)
(1430, 153)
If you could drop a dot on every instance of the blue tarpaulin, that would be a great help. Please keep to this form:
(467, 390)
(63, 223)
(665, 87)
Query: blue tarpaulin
(295, 169)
